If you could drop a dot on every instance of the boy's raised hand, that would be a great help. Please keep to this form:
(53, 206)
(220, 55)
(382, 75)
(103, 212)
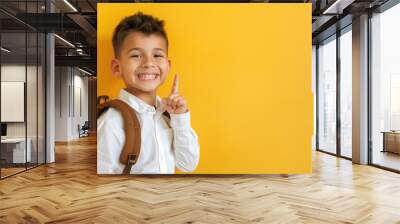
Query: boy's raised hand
(174, 103)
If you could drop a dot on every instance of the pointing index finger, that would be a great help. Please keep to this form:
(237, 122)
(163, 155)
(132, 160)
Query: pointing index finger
(175, 85)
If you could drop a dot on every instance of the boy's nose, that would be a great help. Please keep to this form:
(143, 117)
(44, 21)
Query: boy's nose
(148, 62)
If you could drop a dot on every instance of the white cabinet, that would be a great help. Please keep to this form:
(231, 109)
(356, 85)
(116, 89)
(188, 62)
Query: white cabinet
(17, 147)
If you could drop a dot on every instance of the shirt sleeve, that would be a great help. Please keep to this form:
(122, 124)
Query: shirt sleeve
(108, 146)
(185, 144)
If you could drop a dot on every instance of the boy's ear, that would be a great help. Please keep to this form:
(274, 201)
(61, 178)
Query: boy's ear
(115, 68)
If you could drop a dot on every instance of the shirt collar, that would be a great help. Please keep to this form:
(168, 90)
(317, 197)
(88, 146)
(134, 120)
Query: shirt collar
(139, 105)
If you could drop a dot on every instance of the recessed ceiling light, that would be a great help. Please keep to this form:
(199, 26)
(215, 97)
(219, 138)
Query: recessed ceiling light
(70, 5)
(338, 6)
(84, 71)
(5, 50)
(64, 40)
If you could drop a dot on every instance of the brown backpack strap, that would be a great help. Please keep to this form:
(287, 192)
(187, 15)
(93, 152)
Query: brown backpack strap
(131, 149)
(167, 114)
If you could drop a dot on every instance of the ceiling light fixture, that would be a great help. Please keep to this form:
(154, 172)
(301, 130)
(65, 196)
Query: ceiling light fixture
(70, 5)
(65, 41)
(84, 71)
(5, 50)
(337, 7)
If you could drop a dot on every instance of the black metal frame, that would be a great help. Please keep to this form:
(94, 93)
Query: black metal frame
(0, 88)
(369, 91)
(316, 97)
(338, 98)
(26, 89)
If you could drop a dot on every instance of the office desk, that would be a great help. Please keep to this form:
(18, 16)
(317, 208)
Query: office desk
(391, 141)
(13, 150)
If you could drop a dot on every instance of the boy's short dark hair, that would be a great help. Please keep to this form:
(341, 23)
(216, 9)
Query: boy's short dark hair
(138, 22)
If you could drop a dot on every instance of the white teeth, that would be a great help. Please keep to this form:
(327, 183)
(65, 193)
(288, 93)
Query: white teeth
(147, 76)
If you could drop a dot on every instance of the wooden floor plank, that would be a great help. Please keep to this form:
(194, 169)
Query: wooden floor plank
(70, 191)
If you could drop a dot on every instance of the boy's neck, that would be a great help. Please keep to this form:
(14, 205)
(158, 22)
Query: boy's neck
(147, 97)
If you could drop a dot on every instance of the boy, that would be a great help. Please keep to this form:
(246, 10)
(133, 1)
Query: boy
(141, 60)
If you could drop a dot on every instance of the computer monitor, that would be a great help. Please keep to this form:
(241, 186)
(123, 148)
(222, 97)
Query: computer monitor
(3, 129)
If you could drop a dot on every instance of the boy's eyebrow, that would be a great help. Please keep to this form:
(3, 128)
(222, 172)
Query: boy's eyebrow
(137, 48)
(160, 49)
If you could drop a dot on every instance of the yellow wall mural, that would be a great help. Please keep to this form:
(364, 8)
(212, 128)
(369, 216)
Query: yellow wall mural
(245, 71)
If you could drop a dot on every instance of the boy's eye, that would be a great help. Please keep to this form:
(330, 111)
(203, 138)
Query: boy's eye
(158, 56)
(135, 56)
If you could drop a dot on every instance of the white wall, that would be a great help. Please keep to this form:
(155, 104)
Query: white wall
(62, 81)
(71, 93)
(13, 73)
(34, 125)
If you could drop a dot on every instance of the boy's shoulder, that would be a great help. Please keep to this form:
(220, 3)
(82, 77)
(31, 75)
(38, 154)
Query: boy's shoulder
(111, 117)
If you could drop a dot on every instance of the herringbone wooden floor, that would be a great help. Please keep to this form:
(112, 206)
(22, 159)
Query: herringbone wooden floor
(70, 191)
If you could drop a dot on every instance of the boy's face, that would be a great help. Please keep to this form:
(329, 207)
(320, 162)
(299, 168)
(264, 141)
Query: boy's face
(143, 62)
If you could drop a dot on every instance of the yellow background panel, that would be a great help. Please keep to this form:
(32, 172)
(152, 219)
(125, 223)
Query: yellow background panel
(245, 70)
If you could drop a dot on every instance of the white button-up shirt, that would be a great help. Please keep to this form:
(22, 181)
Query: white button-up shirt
(165, 143)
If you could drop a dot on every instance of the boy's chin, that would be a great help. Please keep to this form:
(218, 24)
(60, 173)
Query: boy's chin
(148, 89)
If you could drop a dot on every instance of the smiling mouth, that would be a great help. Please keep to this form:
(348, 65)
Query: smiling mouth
(147, 76)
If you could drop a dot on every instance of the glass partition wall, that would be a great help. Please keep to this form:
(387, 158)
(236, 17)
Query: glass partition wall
(334, 98)
(345, 62)
(327, 95)
(385, 89)
(22, 87)
(334, 104)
